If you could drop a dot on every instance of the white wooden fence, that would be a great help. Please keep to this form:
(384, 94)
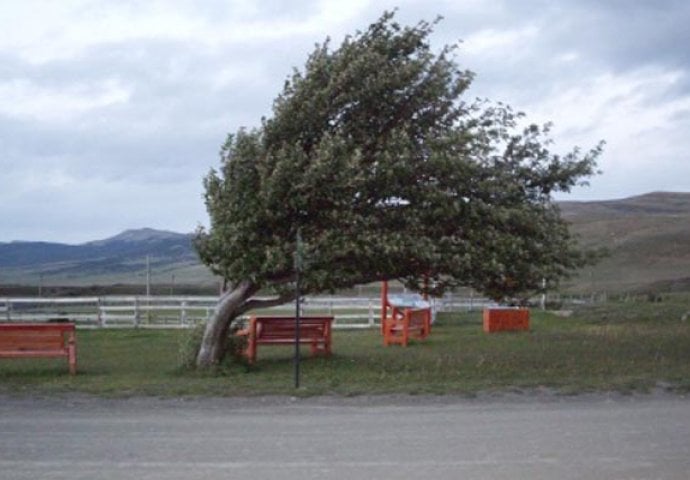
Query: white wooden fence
(184, 312)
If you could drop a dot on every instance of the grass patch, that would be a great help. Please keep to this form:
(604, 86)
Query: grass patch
(622, 346)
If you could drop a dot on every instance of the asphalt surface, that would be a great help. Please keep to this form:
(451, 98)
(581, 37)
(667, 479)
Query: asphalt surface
(521, 436)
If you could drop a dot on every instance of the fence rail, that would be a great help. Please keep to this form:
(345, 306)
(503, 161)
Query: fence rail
(187, 311)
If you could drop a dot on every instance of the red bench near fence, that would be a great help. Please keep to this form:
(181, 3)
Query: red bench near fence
(315, 331)
(39, 340)
(406, 324)
(403, 317)
(505, 319)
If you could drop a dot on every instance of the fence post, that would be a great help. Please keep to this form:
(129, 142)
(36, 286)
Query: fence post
(371, 313)
(137, 312)
(8, 309)
(99, 315)
(183, 313)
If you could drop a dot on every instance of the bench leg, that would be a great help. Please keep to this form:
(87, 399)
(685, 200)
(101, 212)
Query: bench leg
(388, 332)
(251, 350)
(406, 328)
(72, 354)
(251, 341)
(318, 349)
(72, 366)
(387, 337)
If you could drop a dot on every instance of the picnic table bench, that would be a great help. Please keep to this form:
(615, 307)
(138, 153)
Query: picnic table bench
(404, 324)
(404, 316)
(315, 331)
(39, 340)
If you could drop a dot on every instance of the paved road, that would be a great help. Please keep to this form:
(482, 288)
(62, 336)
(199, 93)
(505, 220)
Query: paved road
(509, 437)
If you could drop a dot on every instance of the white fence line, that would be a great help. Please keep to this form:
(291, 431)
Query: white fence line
(187, 311)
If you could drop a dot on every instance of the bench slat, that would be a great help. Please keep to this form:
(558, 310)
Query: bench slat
(34, 353)
(30, 336)
(18, 345)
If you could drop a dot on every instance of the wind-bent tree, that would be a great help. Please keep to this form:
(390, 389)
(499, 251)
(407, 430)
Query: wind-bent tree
(372, 154)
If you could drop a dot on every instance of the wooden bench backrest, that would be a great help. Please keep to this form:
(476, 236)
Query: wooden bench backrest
(36, 337)
(418, 318)
(284, 327)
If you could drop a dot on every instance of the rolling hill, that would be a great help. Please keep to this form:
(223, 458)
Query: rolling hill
(648, 238)
(119, 259)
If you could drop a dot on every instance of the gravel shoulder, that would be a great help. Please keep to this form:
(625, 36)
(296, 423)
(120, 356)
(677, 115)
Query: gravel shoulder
(508, 435)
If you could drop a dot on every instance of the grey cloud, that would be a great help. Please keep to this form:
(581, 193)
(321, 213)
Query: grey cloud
(221, 11)
(167, 135)
(173, 118)
(627, 34)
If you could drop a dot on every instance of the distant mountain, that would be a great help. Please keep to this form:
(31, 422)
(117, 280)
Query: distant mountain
(142, 235)
(121, 258)
(664, 204)
(648, 237)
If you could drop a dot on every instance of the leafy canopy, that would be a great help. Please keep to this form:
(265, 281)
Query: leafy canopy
(374, 156)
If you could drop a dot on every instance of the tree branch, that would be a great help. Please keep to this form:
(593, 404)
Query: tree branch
(281, 278)
(256, 303)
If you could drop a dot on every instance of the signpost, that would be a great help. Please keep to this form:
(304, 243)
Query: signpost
(298, 270)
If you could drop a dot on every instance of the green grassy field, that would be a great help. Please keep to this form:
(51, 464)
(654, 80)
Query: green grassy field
(623, 347)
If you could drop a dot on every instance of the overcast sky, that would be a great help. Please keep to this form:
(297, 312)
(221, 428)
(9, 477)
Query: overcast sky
(112, 111)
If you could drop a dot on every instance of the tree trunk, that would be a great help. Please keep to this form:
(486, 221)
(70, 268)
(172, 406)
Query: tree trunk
(230, 305)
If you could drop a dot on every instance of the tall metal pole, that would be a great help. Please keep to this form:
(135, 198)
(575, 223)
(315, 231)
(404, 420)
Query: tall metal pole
(298, 269)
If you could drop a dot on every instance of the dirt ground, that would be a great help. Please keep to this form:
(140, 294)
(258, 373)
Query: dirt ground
(528, 435)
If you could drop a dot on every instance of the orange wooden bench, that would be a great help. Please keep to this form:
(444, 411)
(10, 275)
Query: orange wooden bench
(401, 323)
(404, 324)
(315, 331)
(39, 340)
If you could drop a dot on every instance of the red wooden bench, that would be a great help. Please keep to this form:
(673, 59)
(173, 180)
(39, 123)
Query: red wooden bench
(404, 324)
(400, 323)
(39, 340)
(315, 331)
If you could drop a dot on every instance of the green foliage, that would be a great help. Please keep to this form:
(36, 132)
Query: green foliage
(190, 342)
(375, 157)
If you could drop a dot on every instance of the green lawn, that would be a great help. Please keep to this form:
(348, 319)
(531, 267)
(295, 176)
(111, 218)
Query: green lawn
(623, 347)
